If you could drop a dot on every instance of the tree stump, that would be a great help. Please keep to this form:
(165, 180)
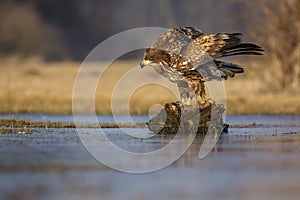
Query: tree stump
(187, 119)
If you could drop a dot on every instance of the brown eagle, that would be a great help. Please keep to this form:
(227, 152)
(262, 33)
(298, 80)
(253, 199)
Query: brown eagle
(188, 57)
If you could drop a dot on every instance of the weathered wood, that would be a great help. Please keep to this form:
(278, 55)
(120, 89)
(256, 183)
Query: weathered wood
(188, 119)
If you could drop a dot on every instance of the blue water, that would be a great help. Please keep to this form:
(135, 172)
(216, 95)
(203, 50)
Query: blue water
(248, 163)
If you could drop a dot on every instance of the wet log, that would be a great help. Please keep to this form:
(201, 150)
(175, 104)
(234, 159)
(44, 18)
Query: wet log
(187, 119)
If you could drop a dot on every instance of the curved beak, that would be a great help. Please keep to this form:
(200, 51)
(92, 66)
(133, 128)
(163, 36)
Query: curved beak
(145, 63)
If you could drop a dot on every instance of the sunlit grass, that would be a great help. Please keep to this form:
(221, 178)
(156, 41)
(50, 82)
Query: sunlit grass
(33, 86)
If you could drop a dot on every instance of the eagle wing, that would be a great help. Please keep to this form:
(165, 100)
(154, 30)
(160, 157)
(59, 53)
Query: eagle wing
(227, 44)
(175, 39)
(201, 53)
(196, 57)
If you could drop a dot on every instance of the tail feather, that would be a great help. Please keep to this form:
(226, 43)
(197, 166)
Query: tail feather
(233, 46)
(231, 39)
(243, 46)
(242, 49)
(228, 69)
(242, 53)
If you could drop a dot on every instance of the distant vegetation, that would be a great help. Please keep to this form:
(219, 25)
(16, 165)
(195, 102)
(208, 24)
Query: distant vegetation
(57, 30)
(276, 27)
(68, 30)
(282, 38)
(24, 33)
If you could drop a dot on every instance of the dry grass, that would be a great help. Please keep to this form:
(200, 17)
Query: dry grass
(32, 86)
(284, 48)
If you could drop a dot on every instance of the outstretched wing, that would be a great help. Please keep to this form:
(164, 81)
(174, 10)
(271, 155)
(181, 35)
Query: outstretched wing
(176, 38)
(214, 44)
(208, 46)
(227, 44)
(194, 57)
(201, 53)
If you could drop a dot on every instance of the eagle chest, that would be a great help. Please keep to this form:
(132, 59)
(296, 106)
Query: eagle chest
(169, 70)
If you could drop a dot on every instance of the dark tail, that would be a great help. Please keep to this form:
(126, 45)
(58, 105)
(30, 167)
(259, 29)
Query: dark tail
(228, 69)
(234, 46)
(242, 49)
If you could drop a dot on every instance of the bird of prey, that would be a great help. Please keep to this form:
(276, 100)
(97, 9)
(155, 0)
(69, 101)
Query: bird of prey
(189, 57)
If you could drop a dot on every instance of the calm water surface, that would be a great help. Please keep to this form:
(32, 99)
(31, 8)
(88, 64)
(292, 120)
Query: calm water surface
(261, 162)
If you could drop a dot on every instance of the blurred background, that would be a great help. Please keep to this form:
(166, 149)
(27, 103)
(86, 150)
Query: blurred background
(43, 42)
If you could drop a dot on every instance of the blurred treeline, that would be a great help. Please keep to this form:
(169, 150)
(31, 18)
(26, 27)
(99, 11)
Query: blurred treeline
(68, 29)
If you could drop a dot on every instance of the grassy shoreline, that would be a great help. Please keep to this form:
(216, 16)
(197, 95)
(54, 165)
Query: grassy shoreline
(28, 126)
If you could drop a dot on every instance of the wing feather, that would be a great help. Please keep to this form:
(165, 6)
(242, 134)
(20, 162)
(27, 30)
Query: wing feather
(195, 57)
(176, 38)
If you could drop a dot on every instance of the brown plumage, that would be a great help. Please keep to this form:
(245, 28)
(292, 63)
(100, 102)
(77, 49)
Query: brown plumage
(188, 57)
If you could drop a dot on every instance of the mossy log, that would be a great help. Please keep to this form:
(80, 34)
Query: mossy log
(187, 119)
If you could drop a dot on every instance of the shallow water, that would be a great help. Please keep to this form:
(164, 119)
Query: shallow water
(231, 119)
(255, 162)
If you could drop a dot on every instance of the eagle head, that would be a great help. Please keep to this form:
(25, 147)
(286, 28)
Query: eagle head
(155, 56)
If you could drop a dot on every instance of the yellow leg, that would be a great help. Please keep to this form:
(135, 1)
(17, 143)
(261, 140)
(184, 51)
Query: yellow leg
(186, 101)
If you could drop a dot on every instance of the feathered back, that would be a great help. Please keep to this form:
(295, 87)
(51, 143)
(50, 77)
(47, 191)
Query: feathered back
(224, 44)
(209, 47)
(176, 38)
